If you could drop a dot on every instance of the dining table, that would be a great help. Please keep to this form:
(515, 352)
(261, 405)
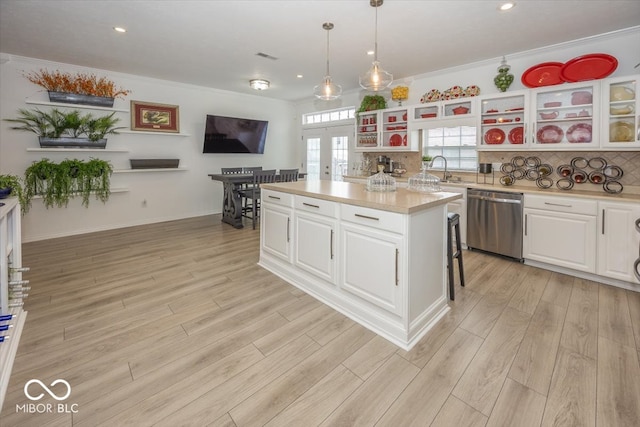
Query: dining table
(231, 199)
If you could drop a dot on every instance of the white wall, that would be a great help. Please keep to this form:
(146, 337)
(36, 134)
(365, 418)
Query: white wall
(168, 195)
(624, 45)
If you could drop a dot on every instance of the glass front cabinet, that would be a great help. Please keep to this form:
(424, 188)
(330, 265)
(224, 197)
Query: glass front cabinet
(563, 117)
(503, 121)
(385, 130)
(620, 113)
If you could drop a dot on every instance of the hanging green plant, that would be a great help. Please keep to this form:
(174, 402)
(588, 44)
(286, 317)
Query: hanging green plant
(13, 186)
(58, 183)
(372, 102)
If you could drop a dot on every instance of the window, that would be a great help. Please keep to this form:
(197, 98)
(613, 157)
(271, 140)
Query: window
(457, 144)
(329, 116)
(313, 159)
(339, 157)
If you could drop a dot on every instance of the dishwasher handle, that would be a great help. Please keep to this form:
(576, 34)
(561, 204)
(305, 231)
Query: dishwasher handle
(494, 199)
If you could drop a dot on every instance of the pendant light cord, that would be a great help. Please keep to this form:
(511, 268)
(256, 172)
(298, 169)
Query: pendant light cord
(375, 45)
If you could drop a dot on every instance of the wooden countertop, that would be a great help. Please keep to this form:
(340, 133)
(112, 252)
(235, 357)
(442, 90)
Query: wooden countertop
(400, 201)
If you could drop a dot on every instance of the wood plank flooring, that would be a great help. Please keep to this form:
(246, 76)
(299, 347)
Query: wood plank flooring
(174, 324)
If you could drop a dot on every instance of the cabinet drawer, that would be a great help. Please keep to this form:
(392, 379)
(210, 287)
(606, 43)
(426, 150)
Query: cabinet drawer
(561, 204)
(277, 198)
(388, 221)
(317, 206)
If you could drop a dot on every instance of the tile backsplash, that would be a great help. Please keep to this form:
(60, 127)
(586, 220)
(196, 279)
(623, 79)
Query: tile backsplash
(628, 161)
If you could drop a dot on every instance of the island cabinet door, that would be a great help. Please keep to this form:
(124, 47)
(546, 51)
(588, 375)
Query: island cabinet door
(371, 267)
(276, 230)
(315, 245)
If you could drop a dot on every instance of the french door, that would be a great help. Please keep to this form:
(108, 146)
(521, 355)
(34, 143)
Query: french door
(326, 152)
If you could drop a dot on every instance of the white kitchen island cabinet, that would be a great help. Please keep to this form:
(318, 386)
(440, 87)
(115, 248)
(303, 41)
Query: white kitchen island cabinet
(378, 258)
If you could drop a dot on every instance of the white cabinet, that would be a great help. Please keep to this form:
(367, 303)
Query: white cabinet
(618, 240)
(566, 117)
(385, 130)
(315, 237)
(503, 121)
(382, 268)
(275, 230)
(12, 288)
(373, 270)
(621, 113)
(560, 231)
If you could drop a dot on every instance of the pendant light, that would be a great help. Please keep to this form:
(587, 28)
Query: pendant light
(327, 90)
(376, 78)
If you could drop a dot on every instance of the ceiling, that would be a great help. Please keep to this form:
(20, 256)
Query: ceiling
(214, 43)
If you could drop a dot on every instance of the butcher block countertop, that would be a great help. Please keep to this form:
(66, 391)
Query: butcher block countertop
(400, 201)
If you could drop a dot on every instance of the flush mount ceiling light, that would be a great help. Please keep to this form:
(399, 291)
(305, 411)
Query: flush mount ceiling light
(376, 78)
(259, 84)
(327, 90)
(120, 29)
(506, 6)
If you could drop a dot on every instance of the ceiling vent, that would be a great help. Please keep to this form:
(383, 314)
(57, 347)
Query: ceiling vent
(267, 56)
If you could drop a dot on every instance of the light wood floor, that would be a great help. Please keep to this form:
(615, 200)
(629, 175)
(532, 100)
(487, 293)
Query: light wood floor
(174, 324)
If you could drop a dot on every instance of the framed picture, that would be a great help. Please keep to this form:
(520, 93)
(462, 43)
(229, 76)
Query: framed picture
(154, 117)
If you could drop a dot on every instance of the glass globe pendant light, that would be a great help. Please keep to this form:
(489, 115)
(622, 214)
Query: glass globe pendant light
(327, 90)
(376, 78)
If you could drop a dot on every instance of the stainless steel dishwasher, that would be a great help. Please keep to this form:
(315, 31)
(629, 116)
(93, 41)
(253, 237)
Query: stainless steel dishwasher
(494, 222)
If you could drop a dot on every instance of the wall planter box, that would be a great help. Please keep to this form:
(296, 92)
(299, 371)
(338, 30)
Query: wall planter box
(71, 143)
(154, 163)
(76, 98)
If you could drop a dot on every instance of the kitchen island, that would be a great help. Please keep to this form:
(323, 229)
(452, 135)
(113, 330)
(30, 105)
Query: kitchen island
(378, 258)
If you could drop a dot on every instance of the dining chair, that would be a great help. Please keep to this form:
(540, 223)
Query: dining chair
(253, 194)
(288, 175)
(228, 171)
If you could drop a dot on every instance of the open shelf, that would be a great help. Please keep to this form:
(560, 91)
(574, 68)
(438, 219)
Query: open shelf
(144, 132)
(81, 106)
(149, 170)
(85, 150)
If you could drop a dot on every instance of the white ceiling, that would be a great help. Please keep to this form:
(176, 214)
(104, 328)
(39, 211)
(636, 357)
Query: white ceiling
(214, 43)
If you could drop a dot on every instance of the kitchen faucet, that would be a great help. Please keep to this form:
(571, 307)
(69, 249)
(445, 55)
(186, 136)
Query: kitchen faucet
(446, 174)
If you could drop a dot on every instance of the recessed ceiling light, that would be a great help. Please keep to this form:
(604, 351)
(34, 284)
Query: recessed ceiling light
(371, 52)
(299, 76)
(120, 29)
(507, 6)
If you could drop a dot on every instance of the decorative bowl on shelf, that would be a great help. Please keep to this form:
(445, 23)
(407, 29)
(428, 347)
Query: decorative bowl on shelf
(428, 115)
(552, 104)
(581, 97)
(549, 116)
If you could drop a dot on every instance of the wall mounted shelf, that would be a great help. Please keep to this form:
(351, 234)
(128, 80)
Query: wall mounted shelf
(143, 132)
(79, 150)
(81, 106)
(149, 170)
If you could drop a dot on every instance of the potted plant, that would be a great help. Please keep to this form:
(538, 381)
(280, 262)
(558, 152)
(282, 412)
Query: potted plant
(39, 179)
(372, 102)
(11, 185)
(79, 88)
(67, 129)
(96, 179)
(58, 183)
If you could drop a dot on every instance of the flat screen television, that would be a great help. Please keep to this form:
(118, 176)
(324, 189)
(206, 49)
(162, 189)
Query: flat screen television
(234, 135)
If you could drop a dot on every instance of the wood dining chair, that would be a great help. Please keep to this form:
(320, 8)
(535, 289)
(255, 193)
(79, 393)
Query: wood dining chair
(229, 171)
(288, 175)
(253, 194)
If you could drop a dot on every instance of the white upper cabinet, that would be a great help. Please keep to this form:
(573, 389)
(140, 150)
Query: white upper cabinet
(503, 121)
(620, 113)
(565, 117)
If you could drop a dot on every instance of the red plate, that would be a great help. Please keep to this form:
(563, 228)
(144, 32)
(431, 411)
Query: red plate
(588, 67)
(580, 132)
(494, 136)
(516, 135)
(395, 140)
(549, 134)
(545, 74)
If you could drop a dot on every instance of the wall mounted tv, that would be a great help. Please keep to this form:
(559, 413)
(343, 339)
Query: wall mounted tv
(234, 135)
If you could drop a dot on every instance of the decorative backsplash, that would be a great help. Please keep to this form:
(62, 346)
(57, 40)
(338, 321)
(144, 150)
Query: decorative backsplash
(629, 161)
